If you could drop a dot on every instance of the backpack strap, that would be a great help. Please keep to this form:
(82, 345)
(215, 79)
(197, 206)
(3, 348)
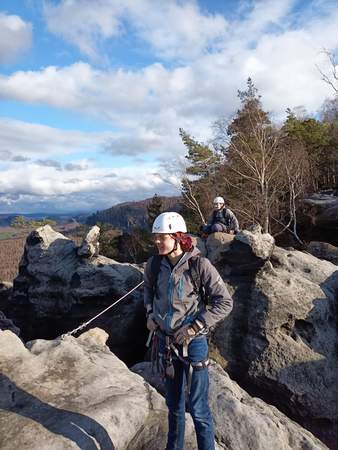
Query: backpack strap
(155, 268)
(195, 273)
(226, 217)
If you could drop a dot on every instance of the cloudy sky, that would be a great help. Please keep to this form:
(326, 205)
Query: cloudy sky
(93, 92)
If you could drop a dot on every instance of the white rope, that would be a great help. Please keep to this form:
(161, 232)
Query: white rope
(102, 312)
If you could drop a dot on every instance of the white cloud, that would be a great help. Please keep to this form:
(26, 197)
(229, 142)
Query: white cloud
(71, 191)
(177, 30)
(147, 106)
(15, 37)
(173, 29)
(83, 24)
(20, 141)
(24, 139)
(161, 100)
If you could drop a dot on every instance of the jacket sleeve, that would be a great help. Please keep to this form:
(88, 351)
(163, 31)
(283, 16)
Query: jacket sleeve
(211, 219)
(220, 300)
(233, 222)
(148, 285)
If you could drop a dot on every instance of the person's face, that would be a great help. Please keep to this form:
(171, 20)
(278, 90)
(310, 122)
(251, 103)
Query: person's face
(164, 243)
(218, 206)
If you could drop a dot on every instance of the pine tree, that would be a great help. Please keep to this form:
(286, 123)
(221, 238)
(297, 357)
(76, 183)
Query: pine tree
(154, 208)
(319, 138)
(253, 164)
(200, 183)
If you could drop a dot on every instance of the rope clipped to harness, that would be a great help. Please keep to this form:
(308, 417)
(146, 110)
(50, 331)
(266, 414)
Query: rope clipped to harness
(169, 366)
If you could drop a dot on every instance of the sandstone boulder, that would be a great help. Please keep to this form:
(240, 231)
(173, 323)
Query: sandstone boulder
(198, 242)
(323, 250)
(90, 245)
(319, 218)
(281, 339)
(7, 324)
(57, 290)
(75, 394)
(242, 253)
(217, 244)
(5, 293)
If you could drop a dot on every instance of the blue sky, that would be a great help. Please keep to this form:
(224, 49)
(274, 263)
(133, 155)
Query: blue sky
(93, 92)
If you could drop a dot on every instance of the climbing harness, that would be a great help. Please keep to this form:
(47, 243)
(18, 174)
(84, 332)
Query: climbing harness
(102, 312)
(163, 364)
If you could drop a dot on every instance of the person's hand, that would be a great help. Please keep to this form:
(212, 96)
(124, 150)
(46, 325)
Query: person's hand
(151, 324)
(185, 333)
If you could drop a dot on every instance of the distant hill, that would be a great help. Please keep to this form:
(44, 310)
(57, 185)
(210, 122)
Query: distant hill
(126, 216)
(62, 218)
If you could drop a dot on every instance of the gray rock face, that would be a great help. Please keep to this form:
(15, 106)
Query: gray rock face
(56, 291)
(217, 244)
(281, 339)
(323, 250)
(90, 245)
(243, 422)
(320, 218)
(74, 394)
(261, 244)
(242, 253)
(7, 324)
(5, 293)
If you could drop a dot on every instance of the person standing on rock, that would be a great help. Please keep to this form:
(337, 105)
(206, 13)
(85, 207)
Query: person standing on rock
(176, 282)
(222, 220)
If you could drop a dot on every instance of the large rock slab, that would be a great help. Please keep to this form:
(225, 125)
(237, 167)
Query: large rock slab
(72, 394)
(323, 250)
(217, 244)
(7, 324)
(5, 293)
(75, 394)
(57, 290)
(243, 253)
(281, 339)
(243, 422)
(319, 218)
(90, 246)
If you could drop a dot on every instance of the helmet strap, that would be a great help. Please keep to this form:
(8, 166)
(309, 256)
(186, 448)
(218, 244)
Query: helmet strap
(174, 248)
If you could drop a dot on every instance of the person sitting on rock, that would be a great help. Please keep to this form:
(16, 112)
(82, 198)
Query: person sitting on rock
(222, 220)
(174, 282)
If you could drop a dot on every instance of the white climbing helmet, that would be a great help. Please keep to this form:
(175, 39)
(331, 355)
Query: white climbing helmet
(219, 200)
(169, 222)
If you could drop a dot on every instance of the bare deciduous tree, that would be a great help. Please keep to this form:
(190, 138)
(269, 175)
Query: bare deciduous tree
(332, 78)
(296, 171)
(253, 161)
(189, 198)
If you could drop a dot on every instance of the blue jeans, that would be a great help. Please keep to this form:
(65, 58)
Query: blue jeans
(197, 400)
(216, 227)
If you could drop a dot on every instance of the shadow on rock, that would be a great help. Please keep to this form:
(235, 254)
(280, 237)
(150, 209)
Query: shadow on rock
(85, 432)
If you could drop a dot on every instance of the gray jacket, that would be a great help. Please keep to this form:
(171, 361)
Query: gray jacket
(176, 303)
(226, 217)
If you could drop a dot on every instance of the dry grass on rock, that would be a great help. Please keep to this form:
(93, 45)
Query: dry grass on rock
(11, 251)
